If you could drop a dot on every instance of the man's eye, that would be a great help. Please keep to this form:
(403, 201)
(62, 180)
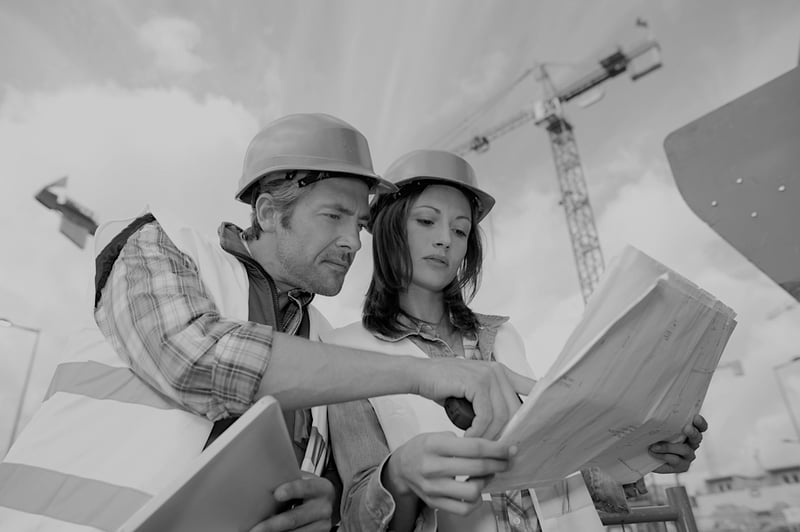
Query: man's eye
(333, 215)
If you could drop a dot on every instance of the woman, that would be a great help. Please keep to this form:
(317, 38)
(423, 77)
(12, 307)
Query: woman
(398, 456)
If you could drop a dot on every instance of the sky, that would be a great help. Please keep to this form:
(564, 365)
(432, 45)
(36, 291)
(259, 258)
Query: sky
(154, 103)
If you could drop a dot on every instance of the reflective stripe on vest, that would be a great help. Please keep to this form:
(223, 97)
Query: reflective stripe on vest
(94, 479)
(63, 497)
(101, 381)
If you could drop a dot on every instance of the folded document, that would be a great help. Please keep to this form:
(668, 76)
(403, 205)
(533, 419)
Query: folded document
(634, 371)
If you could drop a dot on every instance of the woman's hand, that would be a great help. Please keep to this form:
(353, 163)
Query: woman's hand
(313, 513)
(677, 457)
(427, 466)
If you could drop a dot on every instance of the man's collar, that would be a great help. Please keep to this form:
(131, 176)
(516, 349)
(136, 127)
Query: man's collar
(230, 239)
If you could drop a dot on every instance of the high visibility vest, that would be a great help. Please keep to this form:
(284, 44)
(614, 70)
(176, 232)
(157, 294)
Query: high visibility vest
(562, 507)
(103, 441)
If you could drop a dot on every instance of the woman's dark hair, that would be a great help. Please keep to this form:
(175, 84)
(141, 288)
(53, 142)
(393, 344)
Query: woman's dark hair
(392, 269)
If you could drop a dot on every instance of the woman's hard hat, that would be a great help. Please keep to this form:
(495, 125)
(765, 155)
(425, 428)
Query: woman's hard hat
(440, 167)
(311, 141)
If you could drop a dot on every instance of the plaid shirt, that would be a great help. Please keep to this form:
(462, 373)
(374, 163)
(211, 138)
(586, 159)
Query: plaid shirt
(361, 450)
(157, 314)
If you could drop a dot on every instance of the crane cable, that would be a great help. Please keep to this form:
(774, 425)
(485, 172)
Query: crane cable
(446, 139)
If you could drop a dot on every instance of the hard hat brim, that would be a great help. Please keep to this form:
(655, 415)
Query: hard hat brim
(442, 168)
(308, 142)
(484, 201)
(376, 184)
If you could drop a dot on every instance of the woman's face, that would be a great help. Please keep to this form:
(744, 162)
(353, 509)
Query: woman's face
(438, 225)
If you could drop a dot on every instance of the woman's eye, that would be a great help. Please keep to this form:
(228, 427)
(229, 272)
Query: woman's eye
(424, 221)
(461, 233)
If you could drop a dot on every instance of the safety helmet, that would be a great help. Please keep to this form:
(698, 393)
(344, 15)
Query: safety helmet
(439, 167)
(316, 142)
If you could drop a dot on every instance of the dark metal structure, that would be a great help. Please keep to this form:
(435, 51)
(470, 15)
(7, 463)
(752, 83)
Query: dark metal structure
(574, 195)
(77, 222)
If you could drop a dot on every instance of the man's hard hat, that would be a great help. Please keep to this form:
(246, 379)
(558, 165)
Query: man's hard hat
(429, 167)
(310, 141)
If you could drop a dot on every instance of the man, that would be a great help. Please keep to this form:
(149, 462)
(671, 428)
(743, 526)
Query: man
(216, 328)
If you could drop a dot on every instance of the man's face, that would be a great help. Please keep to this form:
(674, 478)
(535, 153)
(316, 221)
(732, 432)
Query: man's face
(315, 251)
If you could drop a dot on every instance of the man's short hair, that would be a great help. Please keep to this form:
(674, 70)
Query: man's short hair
(285, 194)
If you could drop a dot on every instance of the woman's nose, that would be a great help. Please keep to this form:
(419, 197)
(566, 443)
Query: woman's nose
(442, 242)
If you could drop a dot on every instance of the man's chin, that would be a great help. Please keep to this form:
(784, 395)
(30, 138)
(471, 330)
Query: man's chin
(328, 292)
(328, 289)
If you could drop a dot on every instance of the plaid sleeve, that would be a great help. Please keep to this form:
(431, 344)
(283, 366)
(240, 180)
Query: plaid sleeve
(158, 316)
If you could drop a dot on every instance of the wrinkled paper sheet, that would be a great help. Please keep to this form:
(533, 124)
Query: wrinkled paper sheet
(634, 371)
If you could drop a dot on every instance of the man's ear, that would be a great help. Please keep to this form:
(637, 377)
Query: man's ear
(266, 214)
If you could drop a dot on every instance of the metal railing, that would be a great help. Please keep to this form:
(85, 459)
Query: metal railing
(678, 510)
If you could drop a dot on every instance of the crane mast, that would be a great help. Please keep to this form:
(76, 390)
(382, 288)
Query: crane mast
(575, 200)
(574, 194)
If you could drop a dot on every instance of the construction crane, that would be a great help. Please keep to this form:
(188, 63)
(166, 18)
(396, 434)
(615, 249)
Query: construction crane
(548, 113)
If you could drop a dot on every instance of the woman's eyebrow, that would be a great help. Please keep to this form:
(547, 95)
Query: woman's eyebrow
(438, 211)
(431, 207)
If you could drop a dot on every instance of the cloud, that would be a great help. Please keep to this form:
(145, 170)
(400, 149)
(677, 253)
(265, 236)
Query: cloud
(173, 40)
(272, 85)
(124, 148)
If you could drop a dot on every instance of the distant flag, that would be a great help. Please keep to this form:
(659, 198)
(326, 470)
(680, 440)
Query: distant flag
(77, 222)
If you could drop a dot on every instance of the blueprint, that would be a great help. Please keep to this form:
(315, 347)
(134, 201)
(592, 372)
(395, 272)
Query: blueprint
(633, 372)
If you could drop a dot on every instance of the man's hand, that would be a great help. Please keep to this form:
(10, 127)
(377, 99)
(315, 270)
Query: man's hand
(678, 457)
(491, 387)
(313, 513)
(428, 464)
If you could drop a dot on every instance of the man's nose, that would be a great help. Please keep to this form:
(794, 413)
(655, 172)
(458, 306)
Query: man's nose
(351, 238)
